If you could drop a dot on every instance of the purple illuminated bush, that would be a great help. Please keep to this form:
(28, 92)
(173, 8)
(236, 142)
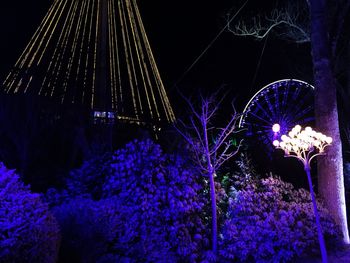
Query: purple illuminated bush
(161, 204)
(150, 201)
(28, 231)
(270, 221)
(88, 228)
(88, 180)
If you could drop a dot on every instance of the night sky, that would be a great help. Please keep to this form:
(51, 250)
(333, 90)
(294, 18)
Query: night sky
(179, 31)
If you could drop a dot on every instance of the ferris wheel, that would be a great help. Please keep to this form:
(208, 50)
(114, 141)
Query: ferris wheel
(276, 108)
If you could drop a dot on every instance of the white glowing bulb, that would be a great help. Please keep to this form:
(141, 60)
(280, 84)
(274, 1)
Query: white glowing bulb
(302, 136)
(291, 134)
(306, 138)
(305, 146)
(308, 130)
(329, 140)
(297, 128)
(318, 135)
(293, 141)
(276, 143)
(298, 143)
(276, 128)
(295, 148)
(284, 138)
(282, 145)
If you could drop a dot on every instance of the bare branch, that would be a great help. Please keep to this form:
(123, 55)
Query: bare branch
(198, 133)
(225, 158)
(290, 23)
(225, 132)
(199, 130)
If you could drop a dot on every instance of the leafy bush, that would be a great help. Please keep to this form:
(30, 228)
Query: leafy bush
(270, 221)
(28, 231)
(147, 208)
(88, 228)
(88, 180)
(160, 204)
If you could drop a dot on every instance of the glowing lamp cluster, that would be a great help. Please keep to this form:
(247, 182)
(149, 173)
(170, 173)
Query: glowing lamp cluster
(303, 144)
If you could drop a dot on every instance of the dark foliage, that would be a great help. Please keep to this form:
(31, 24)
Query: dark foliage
(40, 138)
(89, 228)
(28, 231)
(89, 178)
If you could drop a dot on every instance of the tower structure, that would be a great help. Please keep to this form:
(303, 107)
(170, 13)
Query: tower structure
(95, 53)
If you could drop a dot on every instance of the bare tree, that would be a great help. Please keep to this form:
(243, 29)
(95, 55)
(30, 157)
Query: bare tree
(209, 154)
(321, 22)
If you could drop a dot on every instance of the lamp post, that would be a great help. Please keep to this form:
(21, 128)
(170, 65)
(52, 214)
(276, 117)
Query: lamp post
(305, 145)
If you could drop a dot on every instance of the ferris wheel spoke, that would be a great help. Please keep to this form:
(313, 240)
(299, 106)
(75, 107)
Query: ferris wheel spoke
(285, 95)
(277, 101)
(270, 107)
(296, 93)
(262, 110)
(301, 104)
(260, 118)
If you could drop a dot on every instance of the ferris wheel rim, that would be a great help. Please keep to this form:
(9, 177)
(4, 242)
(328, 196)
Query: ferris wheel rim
(265, 87)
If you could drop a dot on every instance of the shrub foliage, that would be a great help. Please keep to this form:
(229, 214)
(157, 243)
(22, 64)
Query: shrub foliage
(155, 212)
(89, 227)
(139, 204)
(270, 221)
(28, 231)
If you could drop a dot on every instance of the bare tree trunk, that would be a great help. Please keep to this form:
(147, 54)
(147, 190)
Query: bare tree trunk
(213, 212)
(330, 168)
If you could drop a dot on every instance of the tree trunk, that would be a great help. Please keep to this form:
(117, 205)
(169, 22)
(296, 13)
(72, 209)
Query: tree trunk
(213, 212)
(330, 168)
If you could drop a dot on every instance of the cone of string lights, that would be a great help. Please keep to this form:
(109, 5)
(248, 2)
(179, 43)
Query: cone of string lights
(94, 54)
(305, 145)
